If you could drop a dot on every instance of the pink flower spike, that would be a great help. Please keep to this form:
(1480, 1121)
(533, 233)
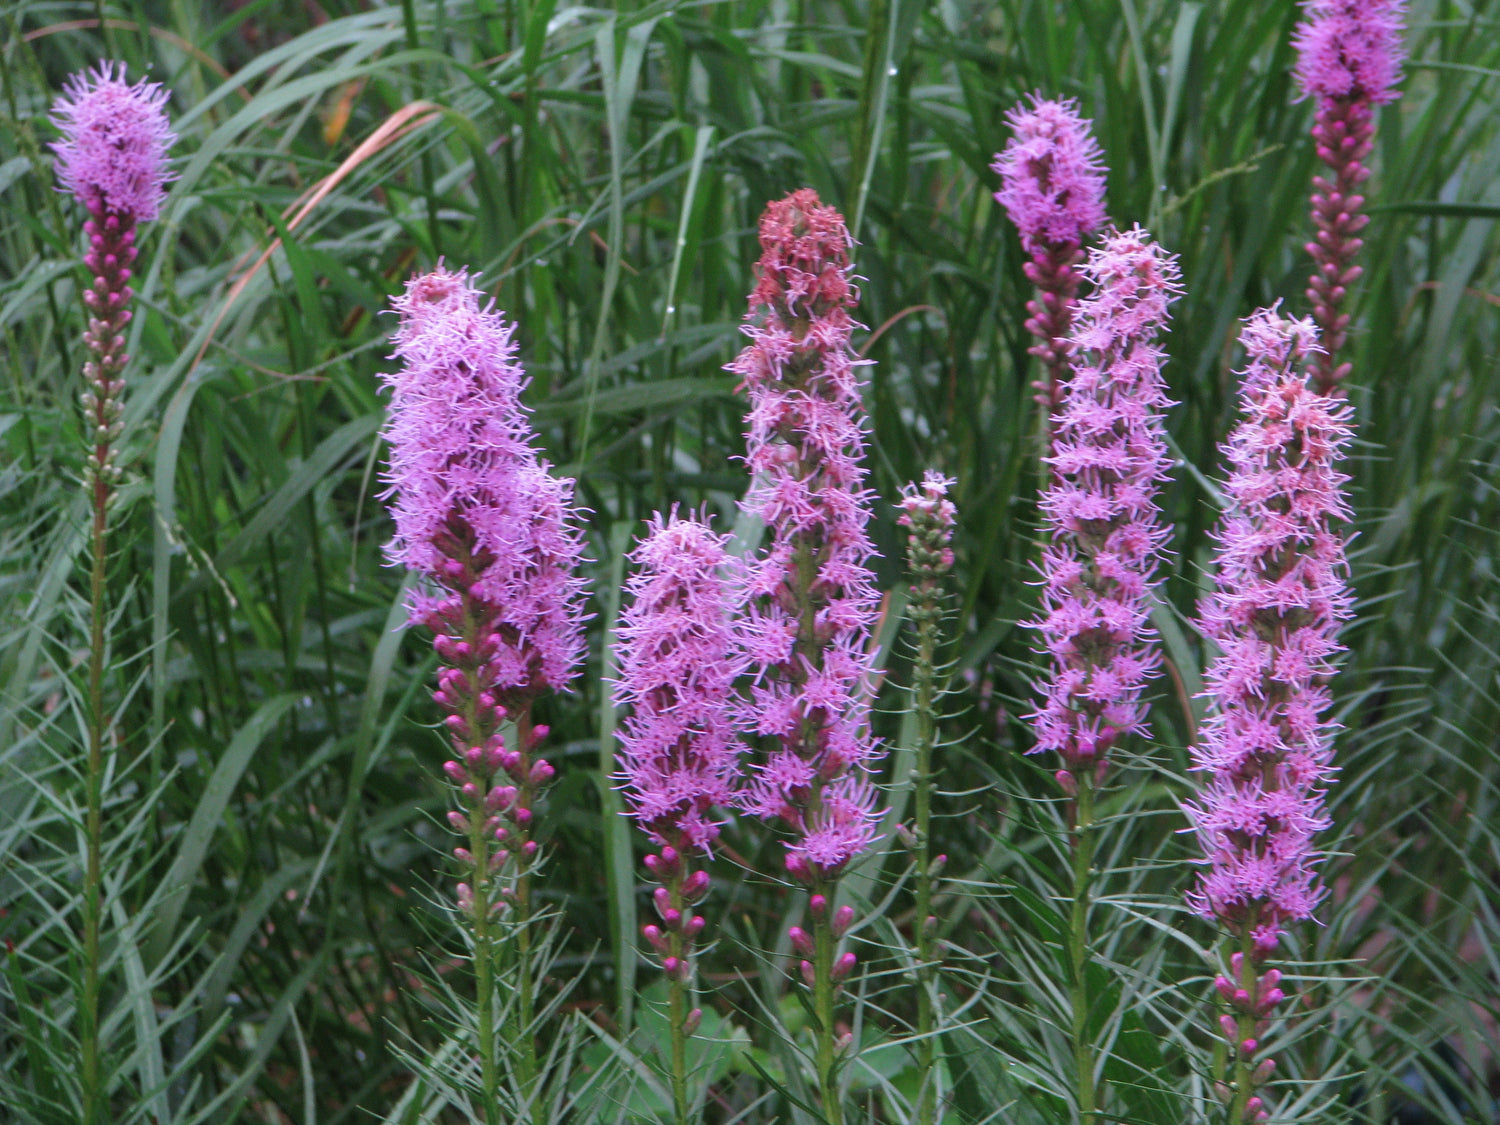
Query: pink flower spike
(115, 137)
(812, 594)
(678, 660)
(679, 656)
(1106, 538)
(494, 534)
(1279, 597)
(475, 507)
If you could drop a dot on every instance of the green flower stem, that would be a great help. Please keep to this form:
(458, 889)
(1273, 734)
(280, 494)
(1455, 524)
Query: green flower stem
(525, 982)
(824, 945)
(93, 1092)
(677, 1000)
(484, 963)
(484, 954)
(105, 340)
(1078, 940)
(1244, 1071)
(924, 675)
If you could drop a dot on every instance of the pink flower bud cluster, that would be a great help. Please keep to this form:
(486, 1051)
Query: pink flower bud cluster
(1349, 59)
(929, 515)
(804, 943)
(1106, 539)
(478, 513)
(1052, 187)
(1279, 596)
(115, 137)
(679, 657)
(812, 597)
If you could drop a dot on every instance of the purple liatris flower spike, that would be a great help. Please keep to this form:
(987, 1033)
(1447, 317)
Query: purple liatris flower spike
(1349, 55)
(479, 514)
(812, 594)
(1109, 458)
(1279, 596)
(113, 158)
(1052, 187)
(679, 657)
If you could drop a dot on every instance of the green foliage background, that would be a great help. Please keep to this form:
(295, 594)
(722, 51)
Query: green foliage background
(276, 812)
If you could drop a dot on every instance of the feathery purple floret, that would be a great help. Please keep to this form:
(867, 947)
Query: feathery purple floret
(679, 657)
(475, 507)
(1350, 49)
(1052, 187)
(1279, 596)
(115, 136)
(1051, 175)
(812, 594)
(1106, 539)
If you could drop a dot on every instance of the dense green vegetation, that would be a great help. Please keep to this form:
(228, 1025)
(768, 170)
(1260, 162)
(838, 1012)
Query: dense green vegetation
(274, 818)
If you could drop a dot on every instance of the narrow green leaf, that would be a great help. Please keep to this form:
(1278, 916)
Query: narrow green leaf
(207, 815)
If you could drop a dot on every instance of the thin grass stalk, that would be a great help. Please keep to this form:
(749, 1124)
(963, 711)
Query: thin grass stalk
(1084, 1052)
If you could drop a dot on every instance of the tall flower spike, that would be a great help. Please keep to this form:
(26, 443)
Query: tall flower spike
(1349, 55)
(112, 156)
(812, 596)
(479, 514)
(679, 657)
(1052, 187)
(1267, 744)
(1106, 540)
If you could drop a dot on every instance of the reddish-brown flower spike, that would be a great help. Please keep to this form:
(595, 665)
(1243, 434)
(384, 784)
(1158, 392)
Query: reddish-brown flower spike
(1349, 55)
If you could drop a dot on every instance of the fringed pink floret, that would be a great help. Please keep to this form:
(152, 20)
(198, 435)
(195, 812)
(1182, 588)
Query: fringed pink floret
(1105, 536)
(115, 137)
(812, 597)
(1052, 187)
(1351, 49)
(1279, 596)
(679, 657)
